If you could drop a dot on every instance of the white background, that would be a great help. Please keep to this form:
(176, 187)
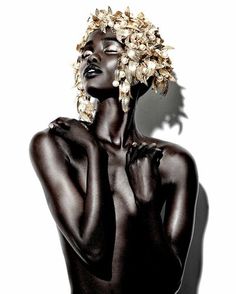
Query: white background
(37, 45)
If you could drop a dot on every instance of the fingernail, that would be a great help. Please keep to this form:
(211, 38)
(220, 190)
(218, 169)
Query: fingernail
(51, 126)
(134, 144)
(153, 145)
(159, 150)
(84, 124)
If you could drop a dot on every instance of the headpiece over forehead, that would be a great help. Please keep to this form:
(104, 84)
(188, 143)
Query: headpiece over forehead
(144, 56)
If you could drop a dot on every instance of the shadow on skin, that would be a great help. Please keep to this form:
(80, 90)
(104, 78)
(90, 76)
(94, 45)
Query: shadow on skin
(153, 110)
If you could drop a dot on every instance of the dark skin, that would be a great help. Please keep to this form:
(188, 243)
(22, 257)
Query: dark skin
(106, 185)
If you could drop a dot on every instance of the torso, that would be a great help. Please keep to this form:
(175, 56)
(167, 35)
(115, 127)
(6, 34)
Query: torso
(128, 266)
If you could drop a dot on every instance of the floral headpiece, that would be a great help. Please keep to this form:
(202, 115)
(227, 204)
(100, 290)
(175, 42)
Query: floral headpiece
(144, 56)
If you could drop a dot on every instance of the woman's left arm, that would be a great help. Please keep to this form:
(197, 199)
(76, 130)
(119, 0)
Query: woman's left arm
(169, 239)
(180, 204)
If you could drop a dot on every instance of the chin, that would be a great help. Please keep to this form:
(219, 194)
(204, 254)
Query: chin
(102, 93)
(100, 85)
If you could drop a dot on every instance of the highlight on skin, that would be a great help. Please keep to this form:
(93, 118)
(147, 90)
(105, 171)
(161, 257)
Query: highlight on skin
(107, 184)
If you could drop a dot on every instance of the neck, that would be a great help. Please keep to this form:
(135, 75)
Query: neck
(113, 126)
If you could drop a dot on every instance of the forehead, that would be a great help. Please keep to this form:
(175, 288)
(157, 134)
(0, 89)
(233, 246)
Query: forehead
(98, 35)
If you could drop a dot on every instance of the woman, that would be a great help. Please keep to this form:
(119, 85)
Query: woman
(105, 182)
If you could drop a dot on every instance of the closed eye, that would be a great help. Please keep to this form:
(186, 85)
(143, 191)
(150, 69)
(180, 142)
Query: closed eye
(113, 49)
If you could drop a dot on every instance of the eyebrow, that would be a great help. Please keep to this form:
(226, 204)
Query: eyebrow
(89, 43)
(111, 39)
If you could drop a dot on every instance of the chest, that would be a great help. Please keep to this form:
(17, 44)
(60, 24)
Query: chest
(118, 181)
(123, 196)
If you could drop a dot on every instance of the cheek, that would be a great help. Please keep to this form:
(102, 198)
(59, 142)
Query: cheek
(112, 66)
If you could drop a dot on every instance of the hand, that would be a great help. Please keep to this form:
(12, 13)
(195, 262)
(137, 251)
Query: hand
(74, 131)
(142, 162)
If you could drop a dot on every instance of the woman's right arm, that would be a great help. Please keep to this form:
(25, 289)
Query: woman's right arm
(87, 221)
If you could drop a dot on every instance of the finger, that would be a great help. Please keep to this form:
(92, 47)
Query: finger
(85, 125)
(152, 145)
(155, 154)
(144, 149)
(138, 151)
(128, 158)
(51, 125)
(59, 127)
(57, 130)
(158, 154)
(63, 122)
(60, 122)
(129, 152)
(54, 125)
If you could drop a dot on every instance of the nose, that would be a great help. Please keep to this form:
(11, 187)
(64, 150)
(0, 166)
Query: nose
(94, 58)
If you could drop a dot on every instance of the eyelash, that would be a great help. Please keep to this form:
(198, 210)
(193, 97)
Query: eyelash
(111, 50)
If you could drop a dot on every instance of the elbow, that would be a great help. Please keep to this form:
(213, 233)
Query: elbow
(99, 262)
(96, 259)
(101, 267)
(98, 254)
(93, 255)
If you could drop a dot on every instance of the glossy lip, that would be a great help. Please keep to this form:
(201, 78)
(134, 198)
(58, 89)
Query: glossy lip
(95, 70)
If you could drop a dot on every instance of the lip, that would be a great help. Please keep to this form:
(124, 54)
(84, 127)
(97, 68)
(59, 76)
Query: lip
(92, 70)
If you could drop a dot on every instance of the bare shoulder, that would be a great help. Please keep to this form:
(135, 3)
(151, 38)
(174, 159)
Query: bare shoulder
(41, 142)
(39, 139)
(177, 164)
(45, 146)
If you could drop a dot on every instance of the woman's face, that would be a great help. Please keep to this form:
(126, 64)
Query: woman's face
(99, 61)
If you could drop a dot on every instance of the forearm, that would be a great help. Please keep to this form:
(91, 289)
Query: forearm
(79, 217)
(163, 257)
(98, 220)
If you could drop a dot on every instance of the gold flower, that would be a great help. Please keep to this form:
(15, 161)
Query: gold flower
(144, 56)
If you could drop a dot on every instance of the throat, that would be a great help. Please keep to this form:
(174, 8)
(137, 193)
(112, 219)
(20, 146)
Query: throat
(112, 125)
